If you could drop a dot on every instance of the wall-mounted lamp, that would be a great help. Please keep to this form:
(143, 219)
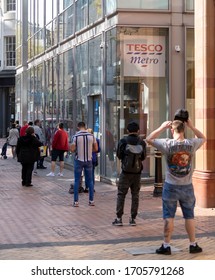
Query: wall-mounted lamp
(177, 48)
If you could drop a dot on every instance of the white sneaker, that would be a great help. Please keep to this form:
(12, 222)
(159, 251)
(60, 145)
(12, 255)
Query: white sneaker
(60, 174)
(51, 174)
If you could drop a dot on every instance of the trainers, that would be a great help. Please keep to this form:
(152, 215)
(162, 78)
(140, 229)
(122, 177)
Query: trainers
(75, 204)
(51, 174)
(195, 249)
(81, 190)
(91, 203)
(71, 190)
(164, 251)
(117, 222)
(86, 190)
(60, 174)
(132, 222)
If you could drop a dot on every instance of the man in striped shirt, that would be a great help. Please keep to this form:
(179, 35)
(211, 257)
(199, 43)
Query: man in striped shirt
(83, 144)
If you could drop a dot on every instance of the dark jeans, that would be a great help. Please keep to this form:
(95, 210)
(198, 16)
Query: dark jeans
(27, 169)
(127, 181)
(87, 167)
(40, 162)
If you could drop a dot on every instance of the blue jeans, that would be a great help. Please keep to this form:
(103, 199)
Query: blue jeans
(184, 194)
(78, 168)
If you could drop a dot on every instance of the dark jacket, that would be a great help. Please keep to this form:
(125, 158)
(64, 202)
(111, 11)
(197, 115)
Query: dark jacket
(28, 149)
(132, 139)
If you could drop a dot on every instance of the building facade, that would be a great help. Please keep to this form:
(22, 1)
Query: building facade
(7, 63)
(105, 63)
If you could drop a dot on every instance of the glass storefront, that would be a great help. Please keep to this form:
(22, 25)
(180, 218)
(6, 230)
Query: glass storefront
(105, 77)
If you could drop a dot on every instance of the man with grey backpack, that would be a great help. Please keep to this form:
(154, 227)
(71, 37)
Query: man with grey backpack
(131, 150)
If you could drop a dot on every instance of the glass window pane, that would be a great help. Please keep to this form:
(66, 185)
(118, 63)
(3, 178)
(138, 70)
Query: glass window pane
(111, 104)
(190, 73)
(49, 10)
(82, 81)
(110, 6)
(11, 5)
(95, 10)
(10, 50)
(81, 14)
(95, 72)
(145, 4)
(190, 5)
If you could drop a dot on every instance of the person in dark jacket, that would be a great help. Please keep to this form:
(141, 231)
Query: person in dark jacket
(28, 153)
(129, 179)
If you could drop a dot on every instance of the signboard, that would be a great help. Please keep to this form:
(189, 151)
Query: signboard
(144, 56)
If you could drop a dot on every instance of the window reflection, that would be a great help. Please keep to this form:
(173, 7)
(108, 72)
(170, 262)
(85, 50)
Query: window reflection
(146, 4)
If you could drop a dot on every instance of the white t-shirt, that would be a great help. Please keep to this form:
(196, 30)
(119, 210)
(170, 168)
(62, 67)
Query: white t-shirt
(179, 158)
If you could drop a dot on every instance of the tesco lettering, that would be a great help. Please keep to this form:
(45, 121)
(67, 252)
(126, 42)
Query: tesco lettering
(144, 47)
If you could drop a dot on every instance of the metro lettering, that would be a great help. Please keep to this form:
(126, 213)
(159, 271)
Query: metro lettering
(143, 61)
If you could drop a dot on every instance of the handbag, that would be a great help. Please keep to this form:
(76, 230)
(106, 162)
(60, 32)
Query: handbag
(43, 151)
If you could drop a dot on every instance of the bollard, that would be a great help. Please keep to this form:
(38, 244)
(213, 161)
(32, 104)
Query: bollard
(158, 185)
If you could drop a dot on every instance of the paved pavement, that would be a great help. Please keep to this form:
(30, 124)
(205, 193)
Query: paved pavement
(40, 223)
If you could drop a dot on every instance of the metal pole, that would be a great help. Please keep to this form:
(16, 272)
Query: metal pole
(158, 185)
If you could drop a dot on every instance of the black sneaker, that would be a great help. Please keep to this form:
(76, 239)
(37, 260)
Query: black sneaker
(163, 251)
(195, 249)
(86, 190)
(71, 190)
(117, 222)
(81, 190)
(132, 222)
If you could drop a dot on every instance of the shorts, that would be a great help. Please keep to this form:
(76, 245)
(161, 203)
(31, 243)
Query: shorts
(184, 194)
(56, 154)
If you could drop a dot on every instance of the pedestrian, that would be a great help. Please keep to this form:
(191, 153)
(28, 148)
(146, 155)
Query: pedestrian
(131, 150)
(27, 153)
(83, 144)
(23, 128)
(18, 126)
(179, 153)
(94, 161)
(39, 133)
(48, 136)
(60, 145)
(13, 138)
(110, 148)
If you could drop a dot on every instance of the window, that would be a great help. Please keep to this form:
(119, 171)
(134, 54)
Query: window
(146, 4)
(11, 5)
(10, 51)
(190, 5)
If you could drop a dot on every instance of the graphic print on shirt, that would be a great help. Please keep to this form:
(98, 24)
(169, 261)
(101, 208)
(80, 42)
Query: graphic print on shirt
(179, 160)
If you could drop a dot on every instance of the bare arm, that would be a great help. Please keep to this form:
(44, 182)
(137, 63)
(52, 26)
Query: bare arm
(154, 134)
(73, 147)
(197, 133)
(95, 147)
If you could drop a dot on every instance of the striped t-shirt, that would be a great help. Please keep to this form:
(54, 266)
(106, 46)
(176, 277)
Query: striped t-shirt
(83, 141)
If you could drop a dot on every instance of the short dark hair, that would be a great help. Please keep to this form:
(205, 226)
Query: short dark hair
(181, 115)
(36, 121)
(81, 124)
(61, 125)
(29, 130)
(133, 127)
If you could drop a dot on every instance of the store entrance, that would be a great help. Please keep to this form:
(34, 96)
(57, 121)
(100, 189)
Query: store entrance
(135, 105)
